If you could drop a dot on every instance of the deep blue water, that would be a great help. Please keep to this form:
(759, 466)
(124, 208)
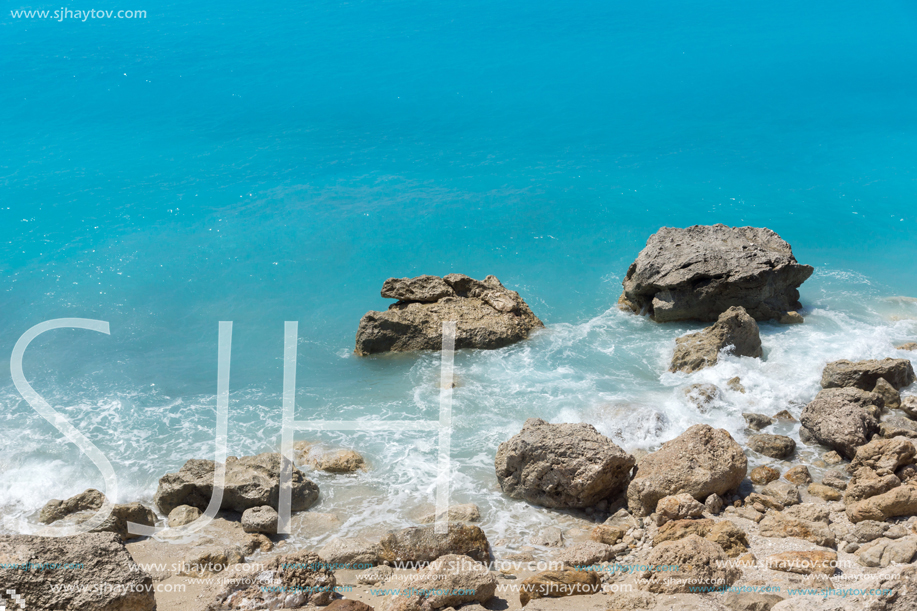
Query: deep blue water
(254, 163)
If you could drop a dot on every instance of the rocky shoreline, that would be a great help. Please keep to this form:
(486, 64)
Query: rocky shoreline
(834, 528)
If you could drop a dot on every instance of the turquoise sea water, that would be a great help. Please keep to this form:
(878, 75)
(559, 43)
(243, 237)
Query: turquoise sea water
(232, 161)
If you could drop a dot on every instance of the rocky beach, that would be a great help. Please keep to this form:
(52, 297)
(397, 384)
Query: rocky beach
(808, 503)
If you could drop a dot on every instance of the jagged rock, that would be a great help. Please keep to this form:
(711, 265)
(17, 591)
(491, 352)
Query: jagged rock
(842, 418)
(55, 509)
(702, 271)
(607, 535)
(804, 563)
(584, 554)
(865, 374)
(882, 552)
(791, 318)
(763, 475)
(287, 582)
(561, 465)
(775, 446)
(183, 514)
(488, 316)
(468, 512)
(260, 520)
(736, 385)
(890, 396)
(701, 461)
(724, 533)
(908, 346)
(93, 558)
(555, 584)
(832, 458)
(734, 328)
(677, 507)
(422, 289)
(909, 406)
(835, 479)
(450, 581)
(714, 504)
(778, 524)
(785, 415)
(783, 492)
(251, 481)
(899, 501)
(884, 456)
(351, 553)
(798, 475)
(422, 544)
(701, 563)
(122, 514)
(758, 421)
(898, 426)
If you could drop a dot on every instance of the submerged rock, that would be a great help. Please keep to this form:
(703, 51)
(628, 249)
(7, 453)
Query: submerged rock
(95, 559)
(734, 329)
(699, 272)
(487, 314)
(562, 465)
(251, 481)
(701, 461)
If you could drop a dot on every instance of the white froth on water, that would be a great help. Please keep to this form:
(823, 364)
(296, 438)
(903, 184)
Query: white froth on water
(609, 371)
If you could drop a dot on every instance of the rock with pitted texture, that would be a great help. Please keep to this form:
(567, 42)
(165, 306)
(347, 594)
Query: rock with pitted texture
(423, 544)
(865, 374)
(260, 520)
(842, 418)
(562, 465)
(287, 582)
(556, 584)
(677, 507)
(700, 272)
(701, 461)
(251, 481)
(183, 514)
(763, 475)
(91, 560)
(55, 509)
(487, 314)
(774, 446)
(803, 563)
(781, 525)
(451, 581)
(699, 562)
(734, 330)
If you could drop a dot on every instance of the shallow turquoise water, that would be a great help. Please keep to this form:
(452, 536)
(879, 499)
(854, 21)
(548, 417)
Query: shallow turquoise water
(234, 162)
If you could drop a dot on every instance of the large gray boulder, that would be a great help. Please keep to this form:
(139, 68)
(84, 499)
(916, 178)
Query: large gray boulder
(865, 374)
(562, 465)
(487, 314)
(841, 418)
(251, 481)
(701, 461)
(75, 568)
(734, 328)
(700, 272)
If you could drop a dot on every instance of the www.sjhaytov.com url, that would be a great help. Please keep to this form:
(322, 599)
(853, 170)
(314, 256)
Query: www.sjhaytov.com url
(67, 14)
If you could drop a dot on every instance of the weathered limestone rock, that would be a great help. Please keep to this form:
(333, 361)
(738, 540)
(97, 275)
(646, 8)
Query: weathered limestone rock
(93, 558)
(702, 271)
(724, 533)
(55, 509)
(260, 520)
(556, 584)
(763, 475)
(607, 535)
(775, 446)
(734, 328)
(562, 465)
(700, 462)
(122, 514)
(889, 394)
(251, 481)
(677, 507)
(804, 563)
(824, 492)
(584, 554)
(287, 582)
(550, 536)
(778, 524)
(899, 501)
(422, 544)
(798, 475)
(183, 514)
(468, 512)
(209, 560)
(450, 581)
(842, 418)
(352, 553)
(865, 374)
(700, 563)
(882, 552)
(701, 396)
(488, 315)
(735, 384)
